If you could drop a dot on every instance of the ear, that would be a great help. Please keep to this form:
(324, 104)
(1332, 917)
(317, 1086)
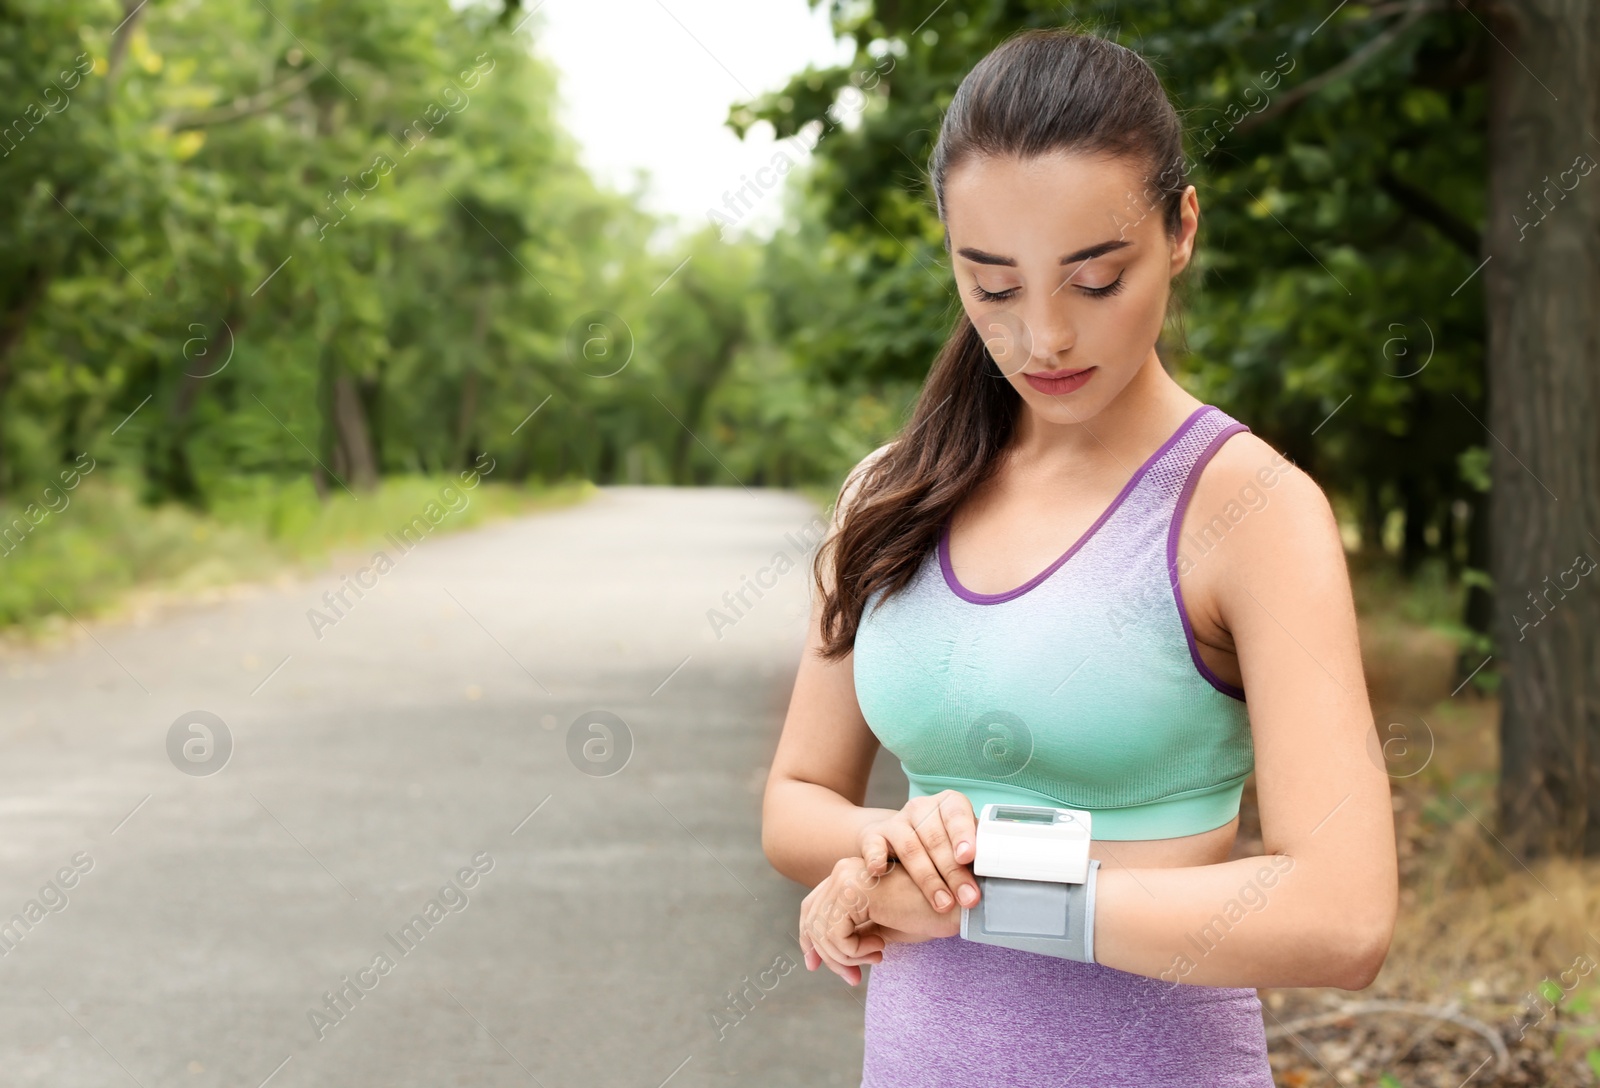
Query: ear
(1182, 244)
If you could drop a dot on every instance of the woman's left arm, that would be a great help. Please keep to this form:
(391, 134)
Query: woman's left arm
(1318, 908)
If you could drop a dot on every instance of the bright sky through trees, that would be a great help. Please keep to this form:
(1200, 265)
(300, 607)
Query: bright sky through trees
(646, 86)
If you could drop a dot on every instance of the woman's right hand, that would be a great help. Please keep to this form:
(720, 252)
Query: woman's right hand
(935, 839)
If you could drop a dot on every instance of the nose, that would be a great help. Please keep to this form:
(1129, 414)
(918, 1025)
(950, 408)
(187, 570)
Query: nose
(1050, 333)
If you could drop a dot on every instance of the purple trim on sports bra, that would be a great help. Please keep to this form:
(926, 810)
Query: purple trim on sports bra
(995, 598)
(1172, 558)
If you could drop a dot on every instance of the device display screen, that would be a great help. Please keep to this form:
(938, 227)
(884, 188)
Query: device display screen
(1024, 816)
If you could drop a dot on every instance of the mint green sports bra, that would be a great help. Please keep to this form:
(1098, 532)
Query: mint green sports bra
(1082, 687)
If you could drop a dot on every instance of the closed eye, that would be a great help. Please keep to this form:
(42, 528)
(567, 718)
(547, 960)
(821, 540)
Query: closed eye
(1096, 292)
(987, 296)
(1107, 291)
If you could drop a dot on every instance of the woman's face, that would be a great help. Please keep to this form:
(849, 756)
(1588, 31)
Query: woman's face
(1064, 264)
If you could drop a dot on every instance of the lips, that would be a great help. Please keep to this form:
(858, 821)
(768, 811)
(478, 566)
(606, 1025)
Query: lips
(1056, 382)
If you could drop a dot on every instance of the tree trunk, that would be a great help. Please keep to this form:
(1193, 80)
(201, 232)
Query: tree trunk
(1456, 543)
(1418, 511)
(719, 354)
(1479, 611)
(354, 445)
(167, 467)
(1372, 512)
(373, 404)
(467, 409)
(1541, 283)
(13, 325)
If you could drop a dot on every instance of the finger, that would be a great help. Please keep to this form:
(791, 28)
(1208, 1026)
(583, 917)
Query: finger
(913, 855)
(936, 840)
(847, 964)
(807, 946)
(849, 942)
(849, 917)
(855, 952)
(961, 831)
(838, 923)
(822, 938)
(867, 946)
(871, 944)
(875, 849)
(815, 950)
(920, 865)
(962, 826)
(836, 962)
(876, 844)
(846, 938)
(949, 829)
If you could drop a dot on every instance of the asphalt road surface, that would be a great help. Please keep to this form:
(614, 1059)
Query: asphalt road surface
(494, 820)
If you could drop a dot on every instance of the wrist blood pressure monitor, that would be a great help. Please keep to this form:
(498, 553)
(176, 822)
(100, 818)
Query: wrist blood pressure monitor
(1036, 881)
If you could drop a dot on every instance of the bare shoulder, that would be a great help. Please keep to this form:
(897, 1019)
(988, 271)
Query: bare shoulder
(1264, 517)
(855, 479)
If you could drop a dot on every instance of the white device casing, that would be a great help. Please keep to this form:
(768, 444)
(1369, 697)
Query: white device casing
(1058, 851)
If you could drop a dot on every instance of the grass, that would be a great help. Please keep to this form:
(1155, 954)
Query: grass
(104, 551)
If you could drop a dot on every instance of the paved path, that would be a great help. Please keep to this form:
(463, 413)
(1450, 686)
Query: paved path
(417, 746)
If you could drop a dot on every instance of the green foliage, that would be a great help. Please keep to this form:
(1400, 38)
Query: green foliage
(1338, 223)
(338, 241)
(245, 252)
(255, 261)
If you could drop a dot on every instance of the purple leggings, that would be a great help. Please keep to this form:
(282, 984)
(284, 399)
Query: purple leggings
(952, 1012)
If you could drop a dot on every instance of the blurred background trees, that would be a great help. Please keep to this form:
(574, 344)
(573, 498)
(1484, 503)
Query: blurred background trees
(373, 231)
(248, 252)
(1341, 166)
(235, 252)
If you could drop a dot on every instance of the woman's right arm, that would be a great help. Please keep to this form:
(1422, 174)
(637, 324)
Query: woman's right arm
(812, 813)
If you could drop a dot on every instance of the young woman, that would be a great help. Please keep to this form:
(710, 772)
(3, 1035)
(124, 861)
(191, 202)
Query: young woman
(1057, 587)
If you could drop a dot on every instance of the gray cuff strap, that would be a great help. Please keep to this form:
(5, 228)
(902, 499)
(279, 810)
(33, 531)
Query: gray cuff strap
(1043, 916)
(1088, 911)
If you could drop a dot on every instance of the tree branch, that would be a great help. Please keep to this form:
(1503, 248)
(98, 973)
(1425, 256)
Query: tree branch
(1415, 10)
(1387, 1008)
(132, 10)
(240, 108)
(1430, 211)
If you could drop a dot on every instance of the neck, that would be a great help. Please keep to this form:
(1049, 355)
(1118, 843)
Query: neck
(1114, 437)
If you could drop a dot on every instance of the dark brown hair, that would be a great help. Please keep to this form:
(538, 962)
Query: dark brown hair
(1040, 91)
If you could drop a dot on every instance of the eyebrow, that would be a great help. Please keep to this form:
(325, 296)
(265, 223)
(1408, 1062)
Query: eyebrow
(1088, 253)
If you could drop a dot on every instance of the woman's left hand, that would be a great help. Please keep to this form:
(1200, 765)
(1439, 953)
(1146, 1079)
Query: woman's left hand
(836, 927)
(848, 919)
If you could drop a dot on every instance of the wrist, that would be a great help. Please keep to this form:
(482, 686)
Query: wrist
(1047, 917)
(898, 902)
